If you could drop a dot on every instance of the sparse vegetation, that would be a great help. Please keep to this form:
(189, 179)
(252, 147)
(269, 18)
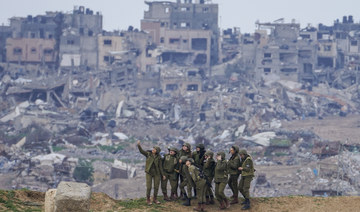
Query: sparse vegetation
(58, 148)
(84, 171)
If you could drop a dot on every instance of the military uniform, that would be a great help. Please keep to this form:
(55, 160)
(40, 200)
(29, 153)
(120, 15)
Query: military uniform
(209, 172)
(233, 165)
(199, 157)
(187, 154)
(221, 179)
(187, 181)
(154, 172)
(169, 163)
(200, 182)
(247, 175)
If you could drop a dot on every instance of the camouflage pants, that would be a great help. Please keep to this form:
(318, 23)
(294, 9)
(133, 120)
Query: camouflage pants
(233, 184)
(149, 180)
(173, 183)
(219, 191)
(244, 186)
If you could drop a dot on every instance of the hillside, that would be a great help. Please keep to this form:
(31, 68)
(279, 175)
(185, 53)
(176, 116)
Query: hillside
(25, 200)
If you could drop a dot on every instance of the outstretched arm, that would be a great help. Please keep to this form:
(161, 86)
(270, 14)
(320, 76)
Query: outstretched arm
(141, 149)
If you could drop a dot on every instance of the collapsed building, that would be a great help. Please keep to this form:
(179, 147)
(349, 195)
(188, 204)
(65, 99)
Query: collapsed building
(285, 57)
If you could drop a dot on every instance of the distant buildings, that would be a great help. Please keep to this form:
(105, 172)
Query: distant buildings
(183, 36)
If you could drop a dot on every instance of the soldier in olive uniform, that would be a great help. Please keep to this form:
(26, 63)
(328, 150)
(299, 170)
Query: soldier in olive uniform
(185, 151)
(169, 164)
(209, 171)
(187, 181)
(198, 177)
(199, 155)
(247, 174)
(221, 179)
(153, 170)
(233, 165)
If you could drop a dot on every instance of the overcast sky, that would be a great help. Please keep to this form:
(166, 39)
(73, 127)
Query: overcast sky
(119, 14)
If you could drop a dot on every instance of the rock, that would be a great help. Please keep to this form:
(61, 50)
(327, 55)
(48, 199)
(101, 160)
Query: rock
(50, 200)
(72, 196)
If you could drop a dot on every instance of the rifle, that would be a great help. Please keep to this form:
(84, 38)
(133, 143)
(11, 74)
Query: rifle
(203, 176)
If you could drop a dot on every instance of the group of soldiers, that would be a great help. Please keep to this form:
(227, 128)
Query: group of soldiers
(196, 171)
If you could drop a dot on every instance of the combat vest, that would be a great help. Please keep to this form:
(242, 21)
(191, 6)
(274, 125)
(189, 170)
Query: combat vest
(248, 167)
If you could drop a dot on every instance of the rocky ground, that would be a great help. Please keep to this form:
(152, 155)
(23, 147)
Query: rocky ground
(25, 200)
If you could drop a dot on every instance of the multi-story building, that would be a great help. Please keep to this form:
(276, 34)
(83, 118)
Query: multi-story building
(5, 32)
(30, 50)
(184, 18)
(75, 34)
(287, 55)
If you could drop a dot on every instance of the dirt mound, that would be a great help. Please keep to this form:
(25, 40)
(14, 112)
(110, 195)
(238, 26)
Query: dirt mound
(25, 200)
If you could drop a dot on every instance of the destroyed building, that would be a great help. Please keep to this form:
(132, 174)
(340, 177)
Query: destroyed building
(285, 56)
(5, 32)
(78, 41)
(30, 51)
(183, 27)
(75, 34)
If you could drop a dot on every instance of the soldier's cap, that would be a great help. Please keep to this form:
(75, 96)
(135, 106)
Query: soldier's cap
(209, 153)
(243, 152)
(191, 160)
(158, 150)
(201, 146)
(187, 145)
(236, 148)
(173, 149)
(183, 158)
(222, 154)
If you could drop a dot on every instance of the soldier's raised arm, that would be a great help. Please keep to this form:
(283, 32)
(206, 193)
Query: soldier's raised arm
(145, 153)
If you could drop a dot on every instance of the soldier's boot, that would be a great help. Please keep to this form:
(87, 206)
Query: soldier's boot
(244, 202)
(203, 207)
(247, 205)
(173, 197)
(155, 200)
(212, 201)
(207, 200)
(235, 200)
(166, 198)
(148, 201)
(198, 208)
(227, 203)
(222, 205)
(187, 201)
(181, 195)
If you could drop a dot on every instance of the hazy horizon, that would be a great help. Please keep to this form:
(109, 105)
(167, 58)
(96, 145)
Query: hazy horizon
(119, 14)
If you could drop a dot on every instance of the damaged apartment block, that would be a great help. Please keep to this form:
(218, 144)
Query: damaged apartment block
(287, 55)
(185, 31)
